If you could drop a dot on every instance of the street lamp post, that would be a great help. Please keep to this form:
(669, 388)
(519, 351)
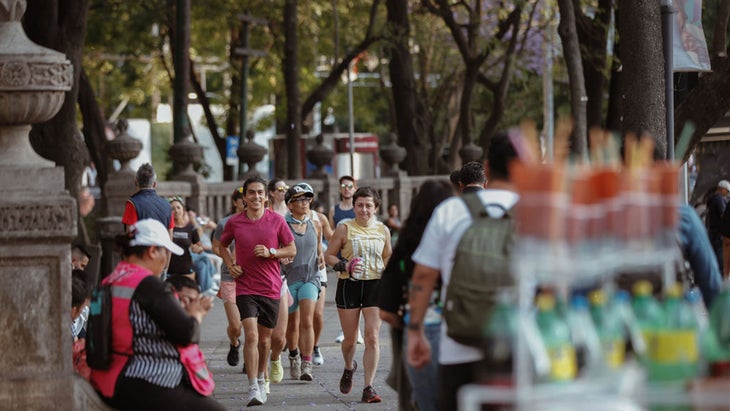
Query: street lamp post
(351, 119)
(667, 36)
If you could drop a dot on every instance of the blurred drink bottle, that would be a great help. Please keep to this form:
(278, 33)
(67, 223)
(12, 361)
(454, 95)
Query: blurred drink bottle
(499, 337)
(674, 353)
(720, 327)
(556, 336)
(610, 327)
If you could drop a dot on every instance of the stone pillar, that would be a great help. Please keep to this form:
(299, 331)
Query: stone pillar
(184, 155)
(118, 188)
(38, 221)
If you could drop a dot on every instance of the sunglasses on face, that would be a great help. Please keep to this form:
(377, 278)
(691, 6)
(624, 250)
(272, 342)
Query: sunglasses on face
(300, 200)
(282, 188)
(347, 185)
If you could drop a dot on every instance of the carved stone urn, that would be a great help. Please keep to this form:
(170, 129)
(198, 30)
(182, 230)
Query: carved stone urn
(251, 153)
(33, 82)
(124, 147)
(393, 154)
(120, 184)
(470, 152)
(320, 155)
(185, 154)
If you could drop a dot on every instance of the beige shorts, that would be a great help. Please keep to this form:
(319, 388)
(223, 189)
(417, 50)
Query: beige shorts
(227, 292)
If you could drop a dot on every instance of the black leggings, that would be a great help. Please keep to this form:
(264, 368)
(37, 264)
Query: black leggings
(136, 394)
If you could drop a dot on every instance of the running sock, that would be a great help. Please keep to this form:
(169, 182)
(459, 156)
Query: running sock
(306, 358)
(293, 353)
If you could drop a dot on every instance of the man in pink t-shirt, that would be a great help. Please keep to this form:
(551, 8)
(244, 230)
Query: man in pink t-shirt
(262, 238)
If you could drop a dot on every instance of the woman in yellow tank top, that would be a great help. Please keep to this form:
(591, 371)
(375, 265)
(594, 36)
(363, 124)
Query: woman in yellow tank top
(364, 246)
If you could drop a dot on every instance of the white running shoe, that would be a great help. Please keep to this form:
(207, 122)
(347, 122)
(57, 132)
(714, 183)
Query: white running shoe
(254, 397)
(317, 358)
(306, 371)
(341, 337)
(262, 390)
(295, 367)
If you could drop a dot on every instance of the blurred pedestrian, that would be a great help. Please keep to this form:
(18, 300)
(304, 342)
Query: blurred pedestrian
(146, 371)
(393, 299)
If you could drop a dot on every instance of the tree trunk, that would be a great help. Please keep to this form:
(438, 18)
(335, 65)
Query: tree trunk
(94, 127)
(291, 69)
(463, 133)
(706, 103)
(234, 97)
(181, 62)
(643, 58)
(412, 121)
(571, 52)
(220, 142)
(329, 84)
(593, 38)
(61, 27)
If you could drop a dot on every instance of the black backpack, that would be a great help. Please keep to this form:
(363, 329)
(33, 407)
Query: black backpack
(99, 328)
(481, 269)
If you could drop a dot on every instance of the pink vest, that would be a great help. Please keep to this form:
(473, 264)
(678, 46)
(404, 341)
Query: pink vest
(124, 281)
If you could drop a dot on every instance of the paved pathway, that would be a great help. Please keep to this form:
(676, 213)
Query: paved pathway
(323, 393)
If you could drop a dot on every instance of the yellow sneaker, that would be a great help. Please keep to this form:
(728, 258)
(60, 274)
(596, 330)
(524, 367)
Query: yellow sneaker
(277, 371)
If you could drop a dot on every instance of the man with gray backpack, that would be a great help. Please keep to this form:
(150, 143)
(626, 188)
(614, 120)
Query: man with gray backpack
(469, 246)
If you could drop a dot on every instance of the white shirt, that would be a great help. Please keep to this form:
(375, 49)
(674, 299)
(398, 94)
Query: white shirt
(438, 245)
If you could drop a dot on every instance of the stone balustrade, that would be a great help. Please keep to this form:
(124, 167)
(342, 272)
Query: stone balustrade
(213, 199)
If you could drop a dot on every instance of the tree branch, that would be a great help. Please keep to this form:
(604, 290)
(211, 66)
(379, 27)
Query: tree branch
(328, 84)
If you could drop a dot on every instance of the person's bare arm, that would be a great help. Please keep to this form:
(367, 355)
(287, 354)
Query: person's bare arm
(388, 248)
(320, 252)
(224, 253)
(327, 229)
(419, 296)
(287, 251)
(335, 245)
(331, 217)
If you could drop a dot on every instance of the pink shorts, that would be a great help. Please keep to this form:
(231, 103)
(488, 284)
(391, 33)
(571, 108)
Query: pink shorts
(227, 292)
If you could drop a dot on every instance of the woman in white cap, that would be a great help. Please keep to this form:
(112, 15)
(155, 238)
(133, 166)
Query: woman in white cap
(302, 275)
(151, 330)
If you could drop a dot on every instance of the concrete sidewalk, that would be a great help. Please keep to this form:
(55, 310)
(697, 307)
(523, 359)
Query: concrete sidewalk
(322, 393)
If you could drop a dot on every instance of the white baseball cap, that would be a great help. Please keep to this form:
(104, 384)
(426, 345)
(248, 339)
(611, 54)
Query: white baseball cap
(724, 184)
(152, 232)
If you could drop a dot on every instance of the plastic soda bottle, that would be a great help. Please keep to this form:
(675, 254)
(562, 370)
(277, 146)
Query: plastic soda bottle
(610, 328)
(499, 335)
(720, 327)
(648, 312)
(621, 308)
(674, 353)
(583, 332)
(556, 336)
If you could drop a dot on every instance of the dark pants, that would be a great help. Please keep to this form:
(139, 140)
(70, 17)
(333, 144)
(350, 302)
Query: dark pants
(136, 394)
(453, 377)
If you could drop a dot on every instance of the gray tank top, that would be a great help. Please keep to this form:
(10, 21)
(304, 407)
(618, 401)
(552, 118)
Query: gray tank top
(304, 266)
